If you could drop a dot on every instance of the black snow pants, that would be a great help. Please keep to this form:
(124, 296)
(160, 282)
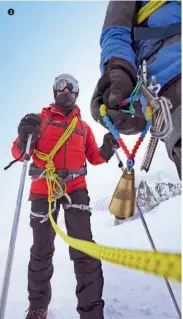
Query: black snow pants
(88, 271)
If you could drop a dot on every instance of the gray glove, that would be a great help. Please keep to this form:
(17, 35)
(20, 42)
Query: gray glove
(116, 84)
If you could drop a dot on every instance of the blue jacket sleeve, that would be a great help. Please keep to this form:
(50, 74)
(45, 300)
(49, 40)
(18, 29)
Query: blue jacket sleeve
(115, 39)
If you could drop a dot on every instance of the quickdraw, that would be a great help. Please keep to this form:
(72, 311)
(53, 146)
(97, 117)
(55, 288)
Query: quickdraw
(148, 115)
(157, 113)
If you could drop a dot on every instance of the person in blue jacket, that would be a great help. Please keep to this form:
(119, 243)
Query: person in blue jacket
(125, 44)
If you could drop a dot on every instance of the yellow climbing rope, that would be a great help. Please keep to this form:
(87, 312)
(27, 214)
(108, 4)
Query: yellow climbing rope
(162, 264)
(149, 9)
(158, 263)
(54, 187)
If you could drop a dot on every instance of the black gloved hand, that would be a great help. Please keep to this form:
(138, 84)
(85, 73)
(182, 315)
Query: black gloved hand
(116, 84)
(30, 123)
(108, 147)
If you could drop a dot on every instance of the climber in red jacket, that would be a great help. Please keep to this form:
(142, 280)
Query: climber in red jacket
(70, 162)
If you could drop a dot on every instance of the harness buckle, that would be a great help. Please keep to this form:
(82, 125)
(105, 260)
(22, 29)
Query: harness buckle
(82, 206)
(74, 176)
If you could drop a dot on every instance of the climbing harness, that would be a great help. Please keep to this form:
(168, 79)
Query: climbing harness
(65, 175)
(44, 217)
(41, 215)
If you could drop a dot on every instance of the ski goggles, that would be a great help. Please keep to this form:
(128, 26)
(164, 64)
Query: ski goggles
(66, 82)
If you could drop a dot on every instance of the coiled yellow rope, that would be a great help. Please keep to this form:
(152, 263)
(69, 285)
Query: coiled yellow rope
(54, 187)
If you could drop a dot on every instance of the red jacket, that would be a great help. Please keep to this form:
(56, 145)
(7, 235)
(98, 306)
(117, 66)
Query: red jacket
(80, 146)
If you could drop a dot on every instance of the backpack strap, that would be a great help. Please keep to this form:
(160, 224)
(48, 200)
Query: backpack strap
(160, 33)
(83, 133)
(44, 124)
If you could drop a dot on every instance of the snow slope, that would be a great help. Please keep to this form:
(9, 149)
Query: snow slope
(128, 293)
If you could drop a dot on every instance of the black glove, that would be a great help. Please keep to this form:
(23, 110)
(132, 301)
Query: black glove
(30, 123)
(116, 84)
(108, 147)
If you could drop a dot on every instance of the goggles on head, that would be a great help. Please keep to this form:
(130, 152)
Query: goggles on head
(67, 82)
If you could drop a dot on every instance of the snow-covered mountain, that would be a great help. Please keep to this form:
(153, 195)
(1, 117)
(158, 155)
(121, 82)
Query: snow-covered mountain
(151, 195)
(151, 191)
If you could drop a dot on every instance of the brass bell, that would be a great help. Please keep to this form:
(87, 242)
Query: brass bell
(122, 204)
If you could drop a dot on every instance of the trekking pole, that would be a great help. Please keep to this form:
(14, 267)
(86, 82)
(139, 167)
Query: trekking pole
(154, 248)
(120, 163)
(11, 249)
